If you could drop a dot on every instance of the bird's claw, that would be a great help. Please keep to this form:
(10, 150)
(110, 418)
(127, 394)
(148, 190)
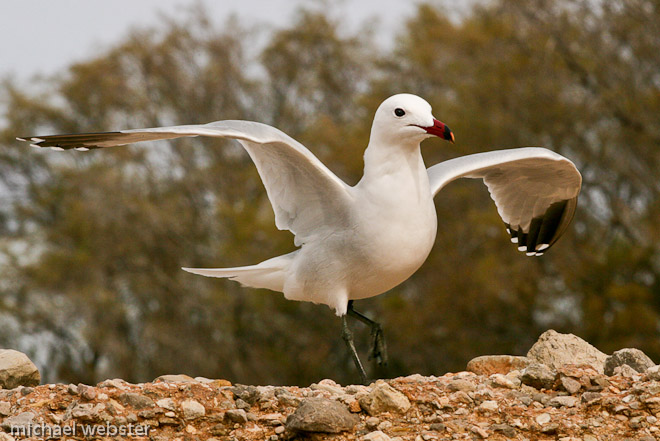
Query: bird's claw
(379, 350)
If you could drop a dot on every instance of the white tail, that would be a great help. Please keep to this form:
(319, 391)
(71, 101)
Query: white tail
(269, 274)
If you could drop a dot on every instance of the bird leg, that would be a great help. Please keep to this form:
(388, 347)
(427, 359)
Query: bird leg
(347, 335)
(379, 349)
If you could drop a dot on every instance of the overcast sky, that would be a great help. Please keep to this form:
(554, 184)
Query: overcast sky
(44, 36)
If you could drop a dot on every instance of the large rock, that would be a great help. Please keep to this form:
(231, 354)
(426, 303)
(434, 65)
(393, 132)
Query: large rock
(556, 350)
(634, 358)
(384, 398)
(16, 369)
(497, 364)
(321, 415)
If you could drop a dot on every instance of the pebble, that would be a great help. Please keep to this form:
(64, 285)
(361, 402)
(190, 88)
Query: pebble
(192, 409)
(328, 386)
(21, 420)
(87, 392)
(236, 416)
(538, 375)
(372, 422)
(135, 400)
(543, 419)
(500, 380)
(461, 385)
(488, 406)
(384, 398)
(166, 403)
(176, 378)
(571, 385)
(496, 364)
(384, 425)
(5, 408)
(567, 401)
(321, 415)
(376, 436)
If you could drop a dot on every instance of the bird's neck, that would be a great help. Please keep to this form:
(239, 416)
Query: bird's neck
(400, 164)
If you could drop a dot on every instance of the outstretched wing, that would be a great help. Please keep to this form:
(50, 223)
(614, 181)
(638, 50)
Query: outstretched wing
(535, 191)
(308, 199)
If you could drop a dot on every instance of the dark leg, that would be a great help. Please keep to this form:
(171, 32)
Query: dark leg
(347, 335)
(379, 350)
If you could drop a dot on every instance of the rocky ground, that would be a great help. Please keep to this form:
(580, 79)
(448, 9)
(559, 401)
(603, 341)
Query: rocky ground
(564, 389)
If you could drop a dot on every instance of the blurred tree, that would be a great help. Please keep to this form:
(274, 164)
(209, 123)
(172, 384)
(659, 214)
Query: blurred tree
(91, 244)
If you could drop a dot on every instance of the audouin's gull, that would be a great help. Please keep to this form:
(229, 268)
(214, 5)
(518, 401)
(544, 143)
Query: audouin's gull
(359, 241)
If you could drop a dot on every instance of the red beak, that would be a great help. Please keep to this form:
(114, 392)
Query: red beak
(439, 129)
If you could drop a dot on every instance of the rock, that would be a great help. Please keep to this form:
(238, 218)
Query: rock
(504, 429)
(384, 398)
(634, 358)
(376, 436)
(328, 386)
(176, 378)
(542, 419)
(653, 373)
(240, 404)
(166, 403)
(21, 420)
(497, 364)
(565, 401)
(5, 408)
(588, 397)
(488, 406)
(461, 385)
(499, 380)
(87, 411)
(192, 409)
(136, 401)
(626, 371)
(117, 383)
(236, 416)
(372, 422)
(272, 419)
(249, 394)
(87, 392)
(556, 350)
(571, 385)
(321, 415)
(538, 376)
(16, 369)
(286, 398)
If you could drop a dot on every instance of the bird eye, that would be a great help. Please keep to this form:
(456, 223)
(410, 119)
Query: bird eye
(399, 112)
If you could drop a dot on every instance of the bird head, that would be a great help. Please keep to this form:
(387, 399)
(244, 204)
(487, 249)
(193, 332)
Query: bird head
(406, 118)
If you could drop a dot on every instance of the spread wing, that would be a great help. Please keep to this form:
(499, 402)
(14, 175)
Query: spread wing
(308, 199)
(535, 191)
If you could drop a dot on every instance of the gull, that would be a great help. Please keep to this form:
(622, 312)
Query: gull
(355, 242)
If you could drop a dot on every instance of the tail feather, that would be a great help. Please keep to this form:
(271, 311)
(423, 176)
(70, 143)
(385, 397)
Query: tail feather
(269, 274)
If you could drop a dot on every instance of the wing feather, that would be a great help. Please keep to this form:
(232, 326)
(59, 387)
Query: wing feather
(306, 196)
(534, 189)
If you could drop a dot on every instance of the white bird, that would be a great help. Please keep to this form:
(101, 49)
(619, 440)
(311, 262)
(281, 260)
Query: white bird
(360, 241)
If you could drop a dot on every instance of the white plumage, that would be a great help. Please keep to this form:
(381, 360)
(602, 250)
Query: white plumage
(357, 242)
